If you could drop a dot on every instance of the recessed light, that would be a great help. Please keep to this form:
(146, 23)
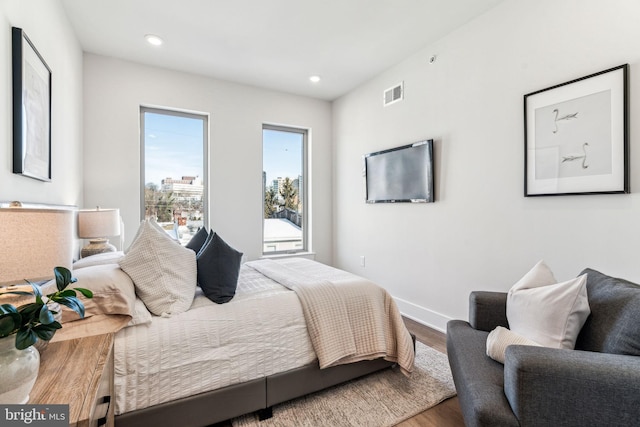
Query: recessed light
(314, 79)
(153, 39)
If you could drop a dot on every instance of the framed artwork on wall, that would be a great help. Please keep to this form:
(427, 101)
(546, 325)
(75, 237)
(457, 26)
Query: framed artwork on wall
(576, 136)
(31, 109)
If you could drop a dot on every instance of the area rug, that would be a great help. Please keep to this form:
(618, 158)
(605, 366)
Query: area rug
(378, 400)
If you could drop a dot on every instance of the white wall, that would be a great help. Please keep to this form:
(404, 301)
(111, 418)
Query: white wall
(482, 234)
(46, 25)
(114, 90)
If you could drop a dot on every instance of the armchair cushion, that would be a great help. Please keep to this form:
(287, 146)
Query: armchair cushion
(613, 326)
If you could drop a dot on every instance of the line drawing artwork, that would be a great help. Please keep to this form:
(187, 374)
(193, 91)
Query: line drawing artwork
(566, 117)
(573, 137)
(572, 157)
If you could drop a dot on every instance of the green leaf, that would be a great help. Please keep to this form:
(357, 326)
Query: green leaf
(46, 332)
(63, 277)
(45, 316)
(67, 293)
(36, 290)
(31, 310)
(25, 338)
(74, 304)
(86, 292)
(7, 309)
(9, 322)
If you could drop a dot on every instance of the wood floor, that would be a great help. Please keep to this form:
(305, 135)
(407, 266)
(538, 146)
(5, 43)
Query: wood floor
(447, 413)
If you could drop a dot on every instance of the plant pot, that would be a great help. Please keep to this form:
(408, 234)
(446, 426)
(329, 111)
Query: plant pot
(19, 370)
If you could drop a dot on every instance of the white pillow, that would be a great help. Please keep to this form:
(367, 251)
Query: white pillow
(500, 338)
(546, 312)
(98, 259)
(164, 273)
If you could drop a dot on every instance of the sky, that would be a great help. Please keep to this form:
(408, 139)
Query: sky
(173, 148)
(281, 154)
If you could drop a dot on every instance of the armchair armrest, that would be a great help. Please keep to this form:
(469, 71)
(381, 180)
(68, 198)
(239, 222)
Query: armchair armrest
(547, 386)
(488, 310)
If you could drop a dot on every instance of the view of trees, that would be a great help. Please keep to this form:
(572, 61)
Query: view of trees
(287, 197)
(270, 202)
(158, 204)
(289, 194)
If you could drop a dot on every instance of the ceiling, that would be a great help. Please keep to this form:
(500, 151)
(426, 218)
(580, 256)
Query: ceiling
(274, 44)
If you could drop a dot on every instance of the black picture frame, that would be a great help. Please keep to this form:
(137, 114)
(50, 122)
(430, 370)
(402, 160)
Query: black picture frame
(31, 109)
(577, 136)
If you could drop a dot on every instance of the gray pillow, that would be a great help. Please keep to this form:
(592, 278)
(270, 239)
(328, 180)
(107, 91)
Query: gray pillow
(218, 269)
(613, 326)
(198, 240)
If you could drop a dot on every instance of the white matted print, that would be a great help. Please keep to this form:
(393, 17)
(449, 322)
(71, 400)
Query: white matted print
(576, 138)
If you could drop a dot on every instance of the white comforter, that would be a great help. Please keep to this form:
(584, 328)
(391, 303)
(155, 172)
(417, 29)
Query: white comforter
(261, 331)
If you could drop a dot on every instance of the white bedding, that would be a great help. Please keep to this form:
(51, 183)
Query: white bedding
(261, 331)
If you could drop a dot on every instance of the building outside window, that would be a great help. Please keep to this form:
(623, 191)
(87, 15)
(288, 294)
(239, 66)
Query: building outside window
(173, 155)
(284, 191)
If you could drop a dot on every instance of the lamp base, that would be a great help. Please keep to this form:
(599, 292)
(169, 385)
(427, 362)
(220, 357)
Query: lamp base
(97, 246)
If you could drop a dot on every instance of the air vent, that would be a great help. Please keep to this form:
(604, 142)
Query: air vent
(394, 94)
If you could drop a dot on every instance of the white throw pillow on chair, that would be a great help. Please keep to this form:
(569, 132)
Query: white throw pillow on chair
(548, 313)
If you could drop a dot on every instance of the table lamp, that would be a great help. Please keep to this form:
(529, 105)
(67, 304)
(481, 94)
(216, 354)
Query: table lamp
(96, 225)
(34, 241)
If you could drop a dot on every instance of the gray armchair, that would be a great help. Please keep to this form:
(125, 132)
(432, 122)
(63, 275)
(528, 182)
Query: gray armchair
(598, 384)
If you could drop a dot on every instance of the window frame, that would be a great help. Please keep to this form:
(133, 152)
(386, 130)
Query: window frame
(305, 187)
(205, 153)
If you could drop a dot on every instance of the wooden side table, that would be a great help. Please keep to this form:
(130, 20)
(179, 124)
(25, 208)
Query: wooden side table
(78, 372)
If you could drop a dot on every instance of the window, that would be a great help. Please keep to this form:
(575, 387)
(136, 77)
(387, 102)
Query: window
(173, 169)
(284, 189)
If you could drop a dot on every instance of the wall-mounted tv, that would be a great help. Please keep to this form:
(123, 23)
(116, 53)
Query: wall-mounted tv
(400, 174)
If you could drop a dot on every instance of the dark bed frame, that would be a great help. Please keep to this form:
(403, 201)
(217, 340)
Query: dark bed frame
(257, 395)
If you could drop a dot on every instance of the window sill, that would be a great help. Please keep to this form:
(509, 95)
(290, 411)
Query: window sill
(309, 255)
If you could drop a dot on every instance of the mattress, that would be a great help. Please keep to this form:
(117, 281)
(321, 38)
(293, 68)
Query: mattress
(260, 332)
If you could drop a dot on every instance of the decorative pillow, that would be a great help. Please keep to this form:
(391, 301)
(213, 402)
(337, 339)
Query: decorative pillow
(198, 240)
(500, 338)
(615, 316)
(218, 269)
(163, 272)
(546, 312)
(113, 291)
(152, 222)
(99, 259)
(135, 237)
(170, 234)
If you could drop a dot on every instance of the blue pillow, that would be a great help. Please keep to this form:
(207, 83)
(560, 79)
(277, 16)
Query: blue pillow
(198, 240)
(218, 269)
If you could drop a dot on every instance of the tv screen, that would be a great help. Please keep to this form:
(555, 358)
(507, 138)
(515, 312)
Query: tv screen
(401, 174)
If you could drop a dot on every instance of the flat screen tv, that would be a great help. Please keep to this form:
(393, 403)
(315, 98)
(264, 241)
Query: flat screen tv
(400, 175)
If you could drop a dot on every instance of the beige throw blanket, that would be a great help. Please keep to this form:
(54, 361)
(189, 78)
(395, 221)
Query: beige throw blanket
(349, 318)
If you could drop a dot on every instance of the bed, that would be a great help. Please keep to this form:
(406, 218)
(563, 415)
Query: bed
(214, 361)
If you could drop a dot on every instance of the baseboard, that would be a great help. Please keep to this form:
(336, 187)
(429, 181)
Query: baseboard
(423, 315)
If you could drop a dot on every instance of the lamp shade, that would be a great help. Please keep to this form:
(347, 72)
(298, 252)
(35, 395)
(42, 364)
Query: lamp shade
(93, 224)
(34, 241)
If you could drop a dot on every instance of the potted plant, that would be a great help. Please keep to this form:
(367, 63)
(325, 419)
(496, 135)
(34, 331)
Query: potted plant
(19, 360)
